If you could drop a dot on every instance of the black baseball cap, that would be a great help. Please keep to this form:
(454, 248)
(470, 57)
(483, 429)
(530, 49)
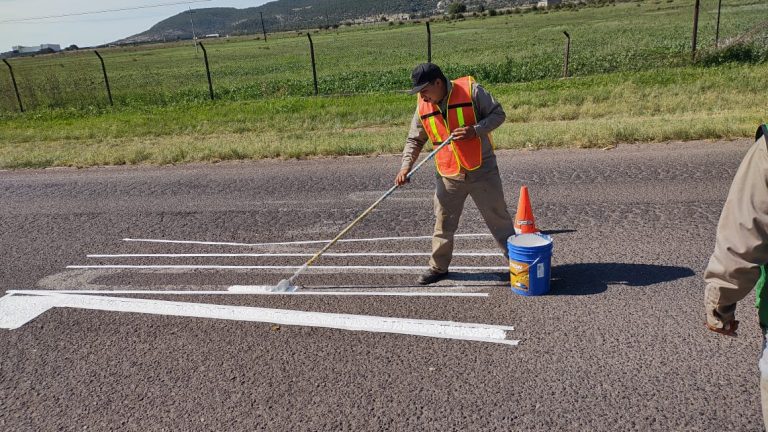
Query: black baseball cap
(424, 74)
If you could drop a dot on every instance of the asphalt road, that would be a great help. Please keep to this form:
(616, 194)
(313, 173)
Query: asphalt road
(618, 344)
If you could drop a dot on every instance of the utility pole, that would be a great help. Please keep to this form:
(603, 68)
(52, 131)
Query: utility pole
(194, 38)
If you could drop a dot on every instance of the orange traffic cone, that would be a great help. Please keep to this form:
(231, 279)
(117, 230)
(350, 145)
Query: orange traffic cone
(524, 223)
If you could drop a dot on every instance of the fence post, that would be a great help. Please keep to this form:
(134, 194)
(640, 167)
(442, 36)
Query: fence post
(312, 54)
(695, 29)
(429, 44)
(567, 54)
(15, 88)
(207, 70)
(717, 29)
(263, 29)
(106, 79)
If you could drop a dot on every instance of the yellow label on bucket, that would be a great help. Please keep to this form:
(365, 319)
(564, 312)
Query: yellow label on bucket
(518, 275)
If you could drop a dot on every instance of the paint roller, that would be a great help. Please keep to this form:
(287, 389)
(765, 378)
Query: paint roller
(286, 285)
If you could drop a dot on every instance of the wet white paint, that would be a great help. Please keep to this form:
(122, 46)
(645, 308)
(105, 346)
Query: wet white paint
(264, 289)
(22, 308)
(529, 240)
(15, 311)
(255, 290)
(272, 267)
(303, 242)
(288, 254)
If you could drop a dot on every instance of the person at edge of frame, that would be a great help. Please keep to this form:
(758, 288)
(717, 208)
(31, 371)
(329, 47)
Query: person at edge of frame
(465, 167)
(738, 263)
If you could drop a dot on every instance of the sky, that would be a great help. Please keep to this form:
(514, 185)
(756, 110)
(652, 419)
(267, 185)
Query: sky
(89, 29)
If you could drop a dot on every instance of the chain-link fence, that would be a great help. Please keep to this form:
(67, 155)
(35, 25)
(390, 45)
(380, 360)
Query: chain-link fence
(512, 47)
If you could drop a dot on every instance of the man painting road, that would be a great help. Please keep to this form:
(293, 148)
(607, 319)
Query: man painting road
(467, 167)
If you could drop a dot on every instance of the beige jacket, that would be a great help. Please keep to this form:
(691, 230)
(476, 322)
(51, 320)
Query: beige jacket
(742, 238)
(490, 115)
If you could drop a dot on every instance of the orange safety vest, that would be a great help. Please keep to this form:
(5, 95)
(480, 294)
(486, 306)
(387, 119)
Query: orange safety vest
(462, 154)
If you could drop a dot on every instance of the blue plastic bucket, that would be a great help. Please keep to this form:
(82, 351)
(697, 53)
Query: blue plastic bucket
(530, 259)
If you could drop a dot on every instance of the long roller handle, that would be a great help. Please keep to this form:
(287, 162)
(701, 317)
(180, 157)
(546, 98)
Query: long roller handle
(370, 209)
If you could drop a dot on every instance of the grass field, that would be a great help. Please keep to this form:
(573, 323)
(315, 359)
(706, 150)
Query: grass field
(633, 80)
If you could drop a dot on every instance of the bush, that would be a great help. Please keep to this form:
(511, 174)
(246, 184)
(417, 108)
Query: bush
(456, 8)
(492, 12)
(737, 53)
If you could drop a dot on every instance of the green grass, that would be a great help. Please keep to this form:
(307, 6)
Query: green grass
(633, 80)
(630, 36)
(666, 104)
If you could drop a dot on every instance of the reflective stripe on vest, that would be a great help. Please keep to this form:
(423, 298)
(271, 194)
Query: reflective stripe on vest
(464, 154)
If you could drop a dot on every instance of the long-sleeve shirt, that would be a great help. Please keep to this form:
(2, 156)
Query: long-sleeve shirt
(741, 246)
(490, 115)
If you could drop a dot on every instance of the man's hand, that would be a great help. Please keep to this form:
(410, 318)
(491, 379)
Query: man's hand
(401, 178)
(463, 133)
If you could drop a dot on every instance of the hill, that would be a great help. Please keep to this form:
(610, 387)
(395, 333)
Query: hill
(284, 15)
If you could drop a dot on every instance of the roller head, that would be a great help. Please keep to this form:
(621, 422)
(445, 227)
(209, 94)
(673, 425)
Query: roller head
(285, 285)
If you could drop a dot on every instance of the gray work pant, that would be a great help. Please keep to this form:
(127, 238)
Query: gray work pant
(486, 191)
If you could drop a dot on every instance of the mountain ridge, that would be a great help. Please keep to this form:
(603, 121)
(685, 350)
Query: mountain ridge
(286, 15)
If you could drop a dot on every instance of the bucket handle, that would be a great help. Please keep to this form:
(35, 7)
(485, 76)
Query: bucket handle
(534, 261)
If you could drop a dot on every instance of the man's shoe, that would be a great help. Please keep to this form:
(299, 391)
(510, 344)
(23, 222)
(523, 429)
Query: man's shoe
(431, 276)
(728, 329)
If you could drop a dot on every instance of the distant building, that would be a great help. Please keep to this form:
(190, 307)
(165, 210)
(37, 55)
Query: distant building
(19, 49)
(548, 3)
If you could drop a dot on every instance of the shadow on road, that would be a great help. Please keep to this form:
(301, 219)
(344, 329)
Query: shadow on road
(593, 278)
(560, 231)
(478, 277)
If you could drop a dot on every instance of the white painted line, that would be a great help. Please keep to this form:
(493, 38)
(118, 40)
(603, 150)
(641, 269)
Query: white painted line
(254, 289)
(438, 329)
(333, 254)
(269, 267)
(261, 289)
(16, 311)
(303, 242)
